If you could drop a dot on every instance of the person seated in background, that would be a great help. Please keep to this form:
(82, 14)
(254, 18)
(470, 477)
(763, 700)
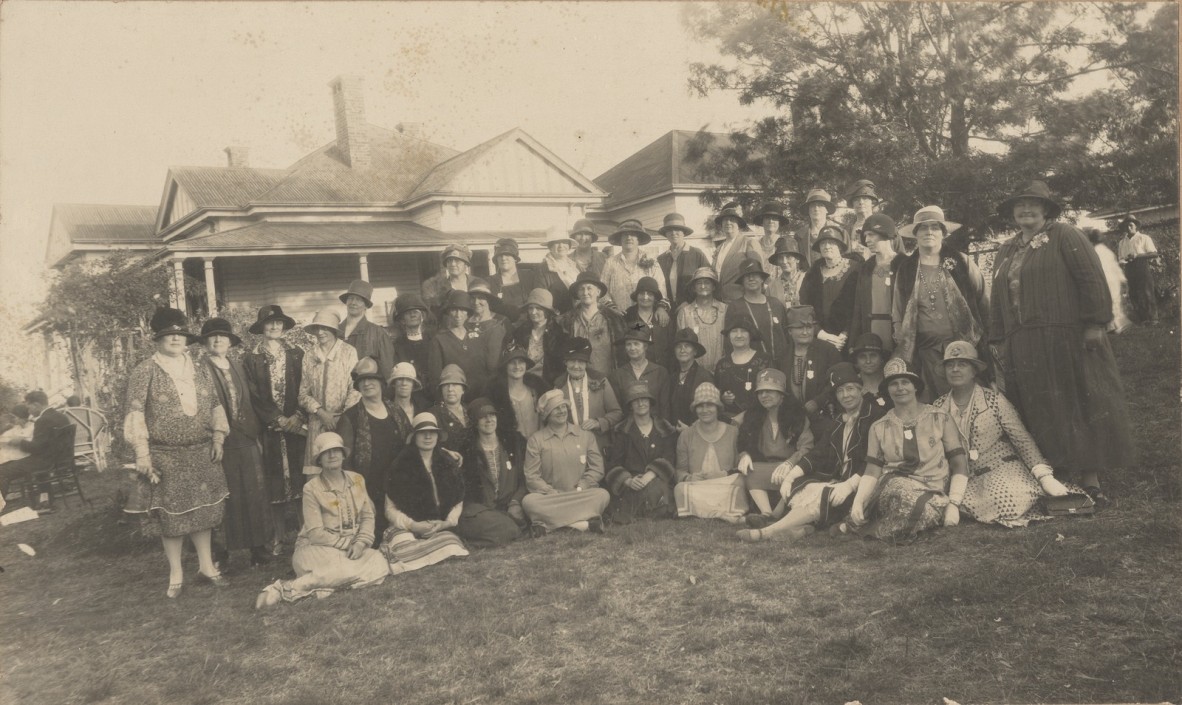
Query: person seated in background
(806, 360)
(594, 405)
(494, 482)
(334, 546)
(42, 448)
(774, 431)
(708, 485)
(640, 477)
(685, 378)
(818, 488)
(424, 501)
(1007, 472)
(637, 366)
(15, 427)
(563, 467)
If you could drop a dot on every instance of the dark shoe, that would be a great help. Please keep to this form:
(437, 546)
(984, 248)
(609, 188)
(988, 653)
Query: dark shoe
(216, 580)
(1102, 500)
(537, 530)
(759, 521)
(221, 558)
(259, 556)
(595, 525)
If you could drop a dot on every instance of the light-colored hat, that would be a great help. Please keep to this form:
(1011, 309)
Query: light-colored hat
(325, 441)
(556, 235)
(896, 368)
(424, 421)
(820, 195)
(326, 319)
(359, 288)
(405, 370)
(550, 401)
(631, 227)
(453, 374)
(542, 298)
(706, 393)
(771, 379)
(478, 287)
(962, 350)
(928, 214)
(705, 273)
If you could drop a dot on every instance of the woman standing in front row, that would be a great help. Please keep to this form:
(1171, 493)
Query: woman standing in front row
(326, 388)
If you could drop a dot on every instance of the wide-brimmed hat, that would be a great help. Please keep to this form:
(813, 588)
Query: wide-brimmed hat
(801, 317)
(843, 373)
(409, 302)
(219, 326)
(577, 349)
(453, 374)
(962, 350)
(648, 284)
(542, 298)
(550, 401)
(820, 195)
(457, 299)
(479, 408)
(515, 352)
(771, 209)
(460, 252)
(730, 210)
(706, 393)
(750, 266)
(583, 225)
(861, 187)
(1037, 190)
(638, 332)
(868, 342)
(479, 288)
(704, 273)
(424, 421)
(675, 221)
(405, 370)
(928, 214)
(268, 313)
(831, 233)
(771, 379)
(745, 322)
(896, 368)
(557, 235)
(881, 225)
(587, 278)
(1130, 218)
(630, 227)
(688, 336)
(638, 390)
(326, 319)
(326, 441)
(507, 246)
(786, 247)
(170, 321)
(359, 288)
(366, 368)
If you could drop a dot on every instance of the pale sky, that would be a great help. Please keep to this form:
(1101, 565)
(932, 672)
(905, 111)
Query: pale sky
(98, 99)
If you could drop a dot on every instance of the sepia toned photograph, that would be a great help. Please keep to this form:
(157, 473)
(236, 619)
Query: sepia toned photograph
(590, 352)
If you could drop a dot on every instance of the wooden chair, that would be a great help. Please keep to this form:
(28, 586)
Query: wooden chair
(90, 441)
(60, 480)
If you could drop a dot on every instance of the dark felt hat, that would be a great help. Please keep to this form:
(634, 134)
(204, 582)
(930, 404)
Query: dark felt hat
(584, 226)
(409, 302)
(268, 313)
(630, 227)
(675, 221)
(1037, 190)
(868, 342)
(647, 284)
(366, 368)
(731, 210)
(587, 278)
(637, 331)
(881, 225)
(457, 299)
(361, 289)
(746, 323)
(831, 233)
(507, 246)
(688, 336)
(786, 247)
(577, 349)
(638, 390)
(750, 266)
(771, 209)
(861, 187)
(843, 373)
(515, 352)
(219, 326)
(170, 321)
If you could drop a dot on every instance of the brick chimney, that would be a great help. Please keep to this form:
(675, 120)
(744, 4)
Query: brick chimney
(237, 155)
(352, 136)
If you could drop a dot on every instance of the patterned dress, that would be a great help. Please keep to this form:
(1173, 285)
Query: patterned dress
(326, 384)
(173, 414)
(707, 322)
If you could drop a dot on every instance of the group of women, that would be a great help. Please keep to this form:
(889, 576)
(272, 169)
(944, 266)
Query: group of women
(861, 397)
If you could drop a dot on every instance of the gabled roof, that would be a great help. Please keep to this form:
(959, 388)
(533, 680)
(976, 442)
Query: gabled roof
(224, 187)
(320, 235)
(549, 175)
(673, 160)
(107, 224)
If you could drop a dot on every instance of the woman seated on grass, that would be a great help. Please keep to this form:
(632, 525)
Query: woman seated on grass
(906, 488)
(333, 549)
(1007, 473)
(424, 500)
(707, 484)
(641, 475)
(819, 489)
(774, 431)
(563, 468)
(493, 481)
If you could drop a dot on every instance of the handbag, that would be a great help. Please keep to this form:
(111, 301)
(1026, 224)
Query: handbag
(1072, 504)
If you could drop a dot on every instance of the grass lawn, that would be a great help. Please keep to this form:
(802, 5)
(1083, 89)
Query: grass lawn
(1077, 610)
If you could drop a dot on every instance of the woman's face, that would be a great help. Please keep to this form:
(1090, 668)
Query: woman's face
(642, 406)
(634, 349)
(455, 266)
(516, 368)
(676, 238)
(960, 373)
(902, 390)
(355, 305)
(629, 243)
(560, 250)
(801, 335)
(752, 283)
(646, 299)
(412, 319)
(172, 345)
(684, 352)
(218, 345)
(790, 264)
(451, 393)
(456, 317)
(426, 440)
(769, 398)
(863, 205)
(587, 294)
(704, 287)
(584, 240)
(403, 388)
(931, 236)
(480, 304)
(868, 362)
(707, 412)
(325, 337)
(331, 459)
(487, 424)
(1030, 213)
(575, 369)
(273, 330)
(830, 251)
(740, 338)
(817, 212)
(558, 416)
(729, 227)
(849, 396)
(771, 226)
(506, 263)
(537, 315)
(370, 388)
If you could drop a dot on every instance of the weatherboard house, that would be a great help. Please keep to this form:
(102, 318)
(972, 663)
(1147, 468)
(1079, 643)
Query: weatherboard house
(377, 204)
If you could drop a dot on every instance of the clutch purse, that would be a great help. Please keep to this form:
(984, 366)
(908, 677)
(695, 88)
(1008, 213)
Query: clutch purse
(1072, 504)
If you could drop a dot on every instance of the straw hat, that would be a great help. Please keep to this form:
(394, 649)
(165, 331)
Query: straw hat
(928, 214)
(424, 421)
(896, 368)
(550, 401)
(706, 393)
(405, 370)
(962, 350)
(326, 319)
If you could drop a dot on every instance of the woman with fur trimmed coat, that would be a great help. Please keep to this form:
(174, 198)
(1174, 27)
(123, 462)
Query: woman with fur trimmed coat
(641, 473)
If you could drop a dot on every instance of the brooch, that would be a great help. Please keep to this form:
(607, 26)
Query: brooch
(1038, 241)
(949, 264)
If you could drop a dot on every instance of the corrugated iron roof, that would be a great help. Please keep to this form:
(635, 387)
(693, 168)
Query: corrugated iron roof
(224, 187)
(107, 224)
(267, 235)
(673, 159)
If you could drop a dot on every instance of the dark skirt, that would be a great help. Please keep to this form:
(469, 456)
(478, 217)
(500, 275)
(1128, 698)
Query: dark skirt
(283, 485)
(483, 527)
(654, 501)
(1142, 292)
(247, 520)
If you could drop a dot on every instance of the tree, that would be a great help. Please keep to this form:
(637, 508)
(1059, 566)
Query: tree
(948, 103)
